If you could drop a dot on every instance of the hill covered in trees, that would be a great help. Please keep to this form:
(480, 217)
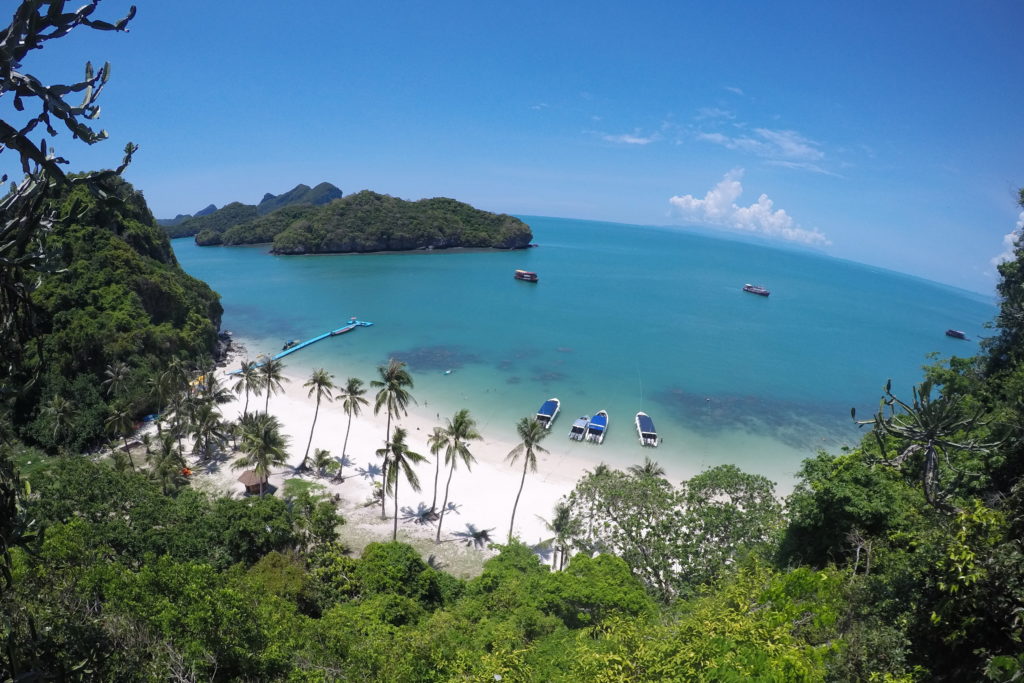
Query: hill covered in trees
(218, 220)
(368, 221)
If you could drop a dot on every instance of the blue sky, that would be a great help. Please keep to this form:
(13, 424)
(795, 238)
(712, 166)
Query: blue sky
(886, 133)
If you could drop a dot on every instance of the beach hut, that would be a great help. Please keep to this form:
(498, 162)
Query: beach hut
(253, 482)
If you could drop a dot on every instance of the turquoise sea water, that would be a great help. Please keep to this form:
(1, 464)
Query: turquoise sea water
(625, 318)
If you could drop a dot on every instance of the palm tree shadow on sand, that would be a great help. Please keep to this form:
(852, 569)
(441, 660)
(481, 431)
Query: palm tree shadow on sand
(370, 472)
(423, 514)
(474, 537)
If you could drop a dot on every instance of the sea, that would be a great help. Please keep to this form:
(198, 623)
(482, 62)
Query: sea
(625, 318)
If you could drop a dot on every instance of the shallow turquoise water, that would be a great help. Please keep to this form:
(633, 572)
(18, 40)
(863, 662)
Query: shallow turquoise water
(625, 318)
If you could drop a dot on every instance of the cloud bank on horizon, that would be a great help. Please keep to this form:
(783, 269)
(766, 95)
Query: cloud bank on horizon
(719, 209)
(1010, 240)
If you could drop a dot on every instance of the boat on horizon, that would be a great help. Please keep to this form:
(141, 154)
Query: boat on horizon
(526, 276)
(956, 334)
(548, 412)
(579, 428)
(597, 427)
(645, 430)
(755, 289)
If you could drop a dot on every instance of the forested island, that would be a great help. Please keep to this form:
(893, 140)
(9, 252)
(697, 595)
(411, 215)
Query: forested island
(898, 560)
(359, 223)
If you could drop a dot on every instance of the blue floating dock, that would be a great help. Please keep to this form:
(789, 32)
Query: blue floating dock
(348, 327)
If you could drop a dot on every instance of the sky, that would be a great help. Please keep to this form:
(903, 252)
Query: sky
(879, 132)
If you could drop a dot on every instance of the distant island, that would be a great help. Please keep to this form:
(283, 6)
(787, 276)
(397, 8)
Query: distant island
(320, 220)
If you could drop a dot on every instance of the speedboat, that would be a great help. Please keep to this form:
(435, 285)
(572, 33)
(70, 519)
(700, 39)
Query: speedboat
(755, 289)
(597, 427)
(526, 276)
(956, 334)
(645, 429)
(579, 428)
(548, 412)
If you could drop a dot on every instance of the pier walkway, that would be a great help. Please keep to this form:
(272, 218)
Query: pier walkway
(348, 327)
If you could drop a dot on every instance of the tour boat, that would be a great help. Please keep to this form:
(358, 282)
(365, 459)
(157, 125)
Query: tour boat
(597, 427)
(956, 334)
(645, 429)
(548, 412)
(755, 289)
(579, 428)
(526, 276)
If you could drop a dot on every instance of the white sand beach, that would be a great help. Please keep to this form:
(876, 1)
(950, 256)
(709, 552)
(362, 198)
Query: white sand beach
(483, 496)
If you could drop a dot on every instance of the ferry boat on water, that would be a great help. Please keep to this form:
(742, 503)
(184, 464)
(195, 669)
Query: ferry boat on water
(526, 276)
(597, 427)
(548, 412)
(755, 289)
(579, 428)
(645, 430)
(956, 334)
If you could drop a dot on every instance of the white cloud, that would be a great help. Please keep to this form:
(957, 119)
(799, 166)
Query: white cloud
(734, 90)
(539, 106)
(781, 145)
(714, 113)
(719, 208)
(1010, 240)
(634, 138)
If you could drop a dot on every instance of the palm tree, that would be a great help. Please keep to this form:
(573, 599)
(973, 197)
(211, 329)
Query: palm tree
(116, 381)
(564, 525)
(210, 389)
(272, 379)
(393, 395)
(248, 380)
(649, 469)
(60, 411)
(437, 442)
(263, 445)
(460, 429)
(321, 384)
(531, 433)
(400, 461)
(166, 464)
(120, 423)
(322, 460)
(352, 402)
(207, 430)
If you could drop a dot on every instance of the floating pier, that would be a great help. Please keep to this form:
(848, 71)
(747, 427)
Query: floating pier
(348, 327)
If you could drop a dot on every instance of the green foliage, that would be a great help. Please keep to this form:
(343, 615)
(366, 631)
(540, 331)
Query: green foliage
(214, 223)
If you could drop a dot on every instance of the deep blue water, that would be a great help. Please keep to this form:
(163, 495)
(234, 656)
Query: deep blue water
(625, 318)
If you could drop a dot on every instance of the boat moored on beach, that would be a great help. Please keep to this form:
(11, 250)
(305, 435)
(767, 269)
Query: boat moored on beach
(548, 412)
(597, 427)
(579, 428)
(755, 289)
(526, 276)
(645, 430)
(956, 334)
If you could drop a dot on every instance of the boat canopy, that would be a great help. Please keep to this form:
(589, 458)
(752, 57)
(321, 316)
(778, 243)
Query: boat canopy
(548, 408)
(599, 422)
(646, 424)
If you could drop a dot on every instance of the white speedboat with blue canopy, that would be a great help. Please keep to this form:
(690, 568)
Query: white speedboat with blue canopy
(579, 428)
(645, 429)
(597, 427)
(548, 412)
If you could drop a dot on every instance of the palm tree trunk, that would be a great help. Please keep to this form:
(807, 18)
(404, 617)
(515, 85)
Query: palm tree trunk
(384, 470)
(245, 410)
(437, 471)
(266, 404)
(129, 452)
(316, 413)
(516, 504)
(394, 532)
(343, 447)
(440, 521)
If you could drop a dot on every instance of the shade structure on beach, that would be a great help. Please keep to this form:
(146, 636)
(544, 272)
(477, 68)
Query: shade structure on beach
(252, 481)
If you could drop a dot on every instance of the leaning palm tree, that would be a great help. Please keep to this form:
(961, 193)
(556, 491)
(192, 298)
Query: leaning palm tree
(531, 433)
(321, 384)
(650, 468)
(248, 381)
(120, 423)
(352, 402)
(400, 461)
(392, 394)
(437, 442)
(461, 429)
(116, 382)
(263, 446)
(272, 379)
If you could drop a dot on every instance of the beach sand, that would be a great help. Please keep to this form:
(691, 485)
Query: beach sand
(483, 496)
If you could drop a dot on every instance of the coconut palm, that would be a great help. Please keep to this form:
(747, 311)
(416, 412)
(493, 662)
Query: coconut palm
(531, 433)
(160, 390)
(437, 442)
(120, 423)
(263, 445)
(208, 430)
(272, 379)
(564, 525)
(649, 469)
(116, 382)
(210, 389)
(352, 402)
(323, 461)
(60, 411)
(461, 429)
(399, 461)
(166, 464)
(392, 394)
(248, 381)
(321, 385)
